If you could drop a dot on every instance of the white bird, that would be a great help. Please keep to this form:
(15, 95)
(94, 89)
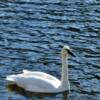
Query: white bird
(35, 81)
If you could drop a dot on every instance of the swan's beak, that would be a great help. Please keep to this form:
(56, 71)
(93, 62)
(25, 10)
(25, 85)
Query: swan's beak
(71, 53)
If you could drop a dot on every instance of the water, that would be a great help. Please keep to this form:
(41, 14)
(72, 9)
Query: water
(32, 33)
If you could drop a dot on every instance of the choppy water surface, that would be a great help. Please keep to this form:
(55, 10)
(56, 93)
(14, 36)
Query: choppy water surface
(31, 35)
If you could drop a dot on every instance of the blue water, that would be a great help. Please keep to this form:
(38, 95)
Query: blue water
(32, 33)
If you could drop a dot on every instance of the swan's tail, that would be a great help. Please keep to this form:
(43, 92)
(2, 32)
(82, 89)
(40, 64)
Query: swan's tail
(11, 78)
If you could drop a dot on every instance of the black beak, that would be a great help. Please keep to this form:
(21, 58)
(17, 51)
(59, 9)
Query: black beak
(71, 53)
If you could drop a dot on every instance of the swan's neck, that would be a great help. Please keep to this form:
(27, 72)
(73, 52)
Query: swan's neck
(64, 76)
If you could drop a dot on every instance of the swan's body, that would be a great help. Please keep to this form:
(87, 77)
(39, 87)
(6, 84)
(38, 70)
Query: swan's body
(42, 82)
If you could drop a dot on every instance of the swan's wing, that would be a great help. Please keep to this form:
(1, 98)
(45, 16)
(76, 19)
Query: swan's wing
(39, 84)
(41, 75)
(34, 83)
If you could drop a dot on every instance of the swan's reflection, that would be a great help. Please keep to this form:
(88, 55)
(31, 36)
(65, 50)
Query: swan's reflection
(31, 95)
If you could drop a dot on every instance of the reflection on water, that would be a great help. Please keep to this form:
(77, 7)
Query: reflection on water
(33, 96)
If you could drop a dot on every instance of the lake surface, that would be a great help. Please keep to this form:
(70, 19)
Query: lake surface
(32, 33)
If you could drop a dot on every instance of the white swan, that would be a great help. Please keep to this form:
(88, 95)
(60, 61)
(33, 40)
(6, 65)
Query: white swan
(42, 82)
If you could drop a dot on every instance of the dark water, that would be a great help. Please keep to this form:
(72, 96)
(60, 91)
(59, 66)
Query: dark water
(32, 33)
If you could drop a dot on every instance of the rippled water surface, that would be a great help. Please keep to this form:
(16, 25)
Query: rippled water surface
(32, 33)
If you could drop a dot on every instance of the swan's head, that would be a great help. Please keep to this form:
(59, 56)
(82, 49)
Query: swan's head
(66, 50)
(66, 47)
